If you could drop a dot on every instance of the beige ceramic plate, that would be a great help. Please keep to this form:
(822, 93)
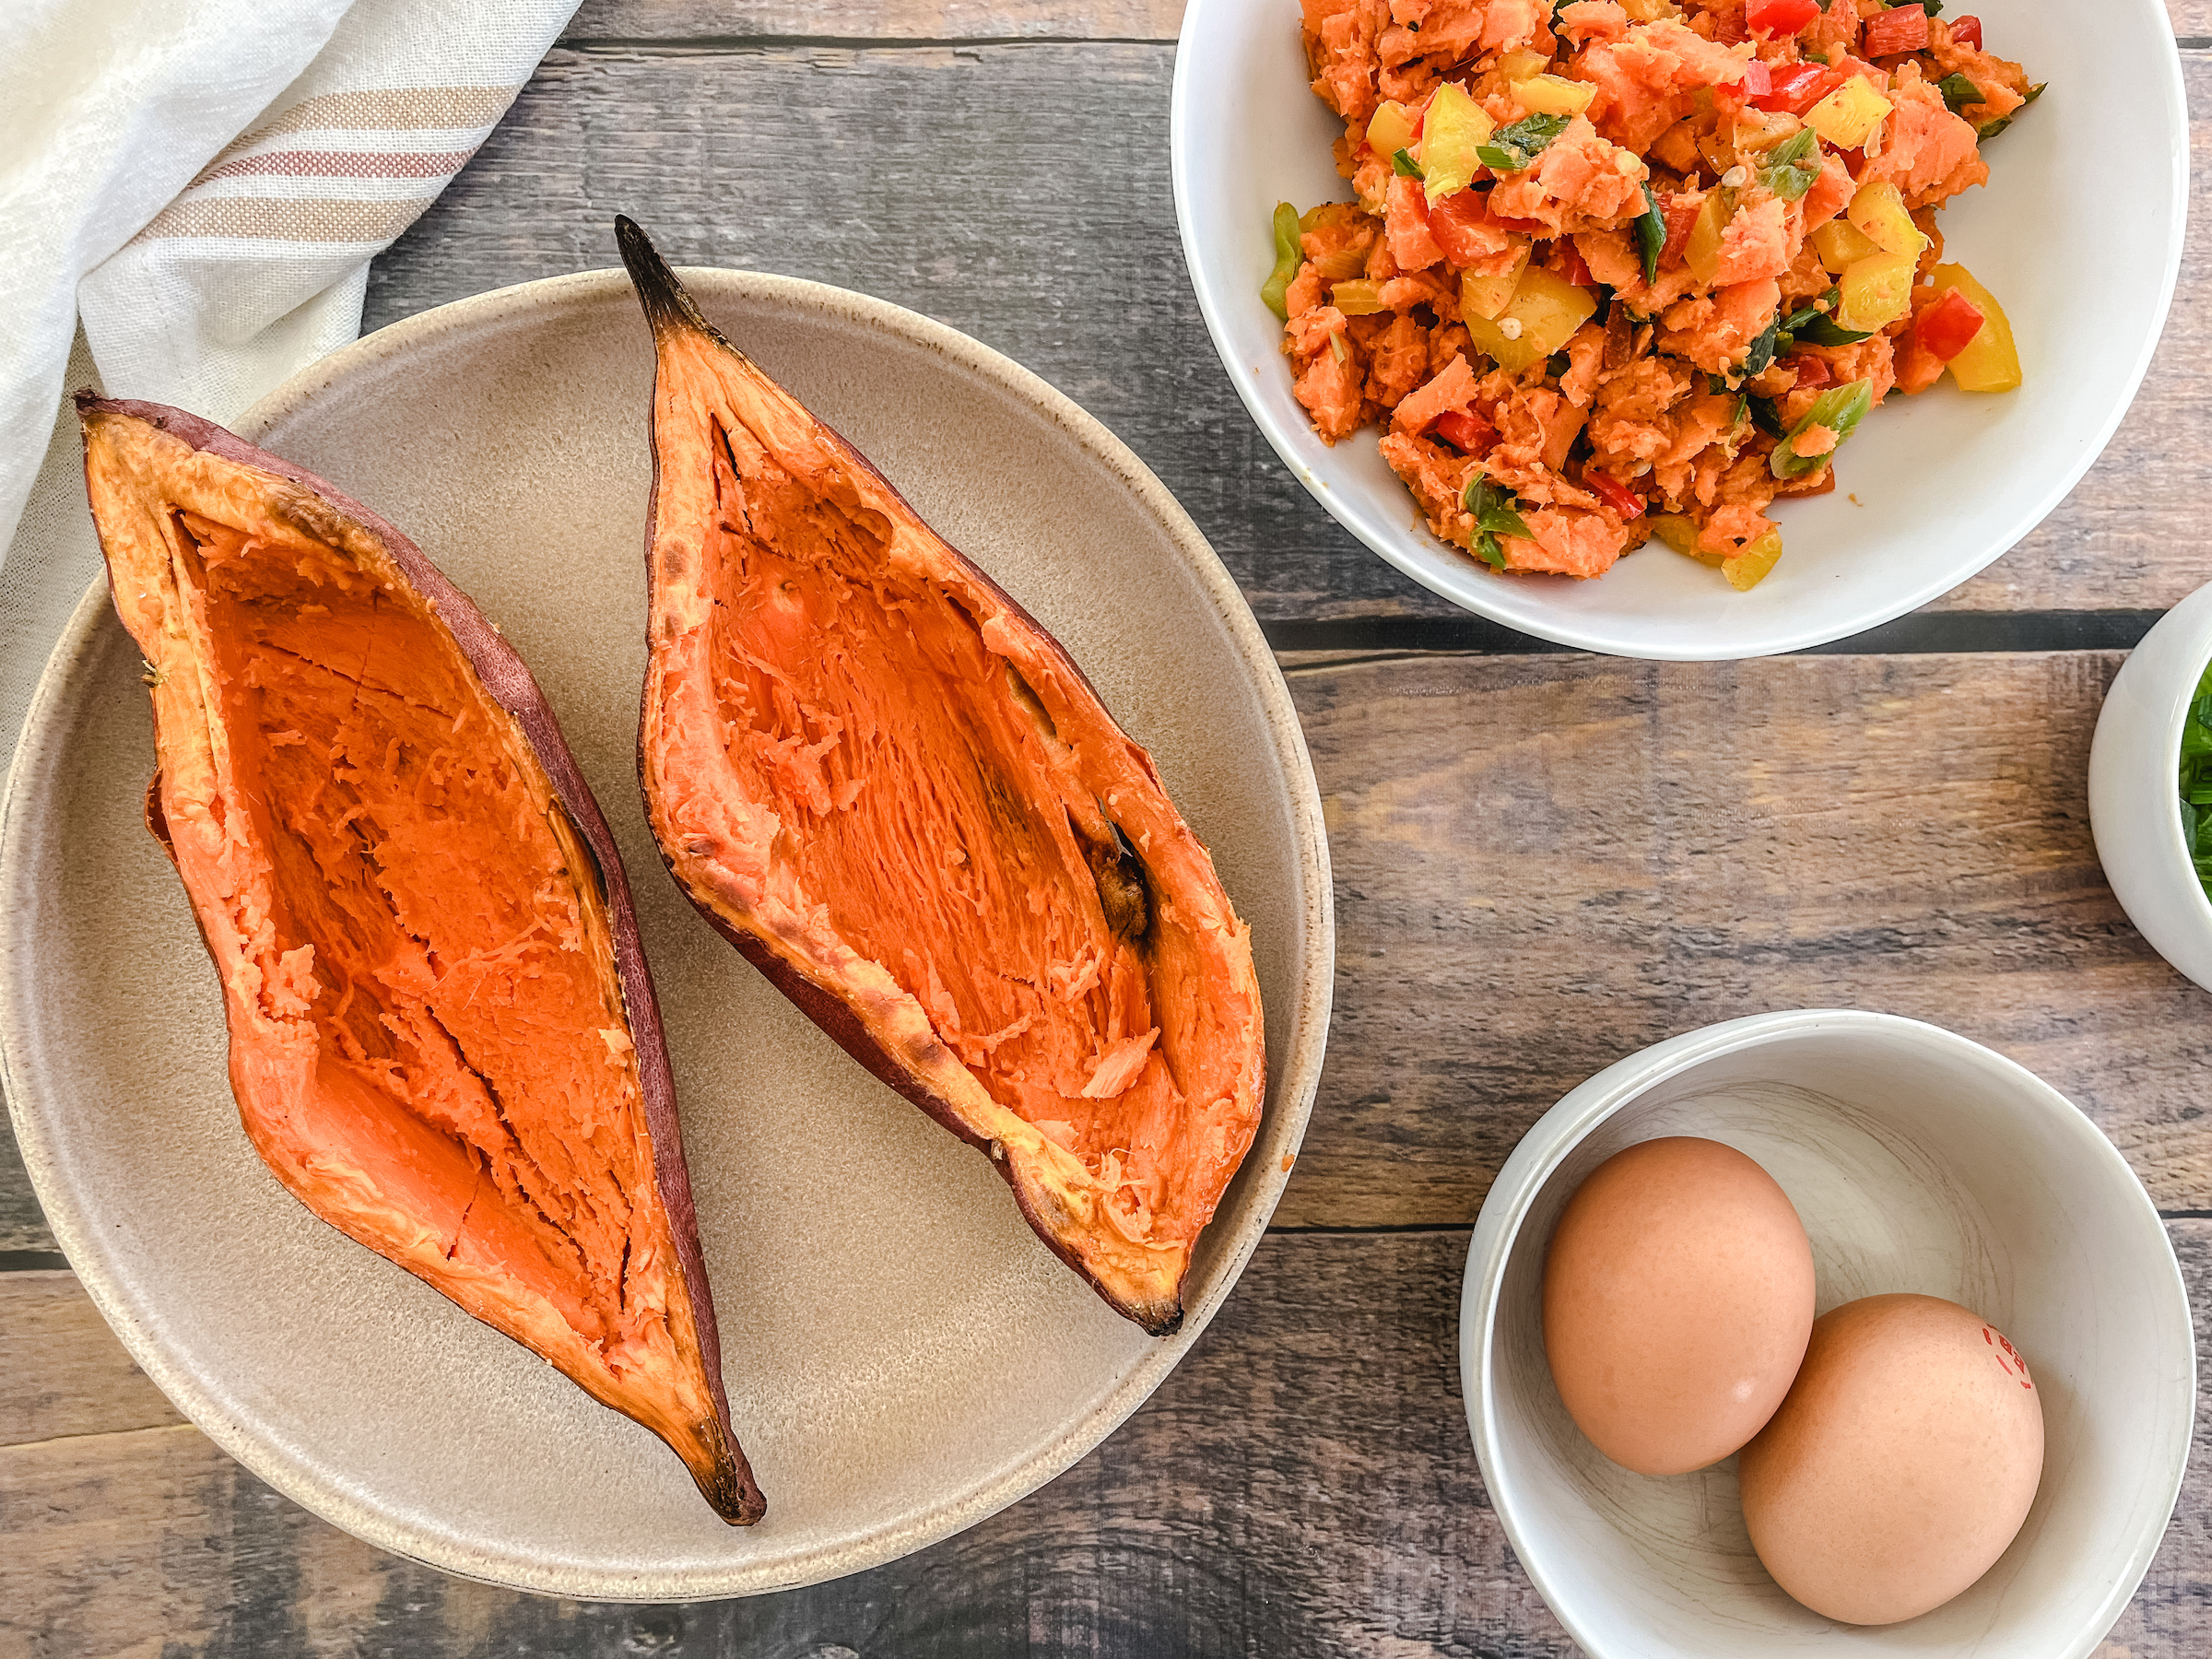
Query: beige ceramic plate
(903, 1358)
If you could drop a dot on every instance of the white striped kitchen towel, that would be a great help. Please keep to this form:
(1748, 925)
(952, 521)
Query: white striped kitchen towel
(202, 186)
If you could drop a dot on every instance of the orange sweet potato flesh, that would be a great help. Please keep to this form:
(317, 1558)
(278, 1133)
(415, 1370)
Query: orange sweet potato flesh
(890, 788)
(443, 1038)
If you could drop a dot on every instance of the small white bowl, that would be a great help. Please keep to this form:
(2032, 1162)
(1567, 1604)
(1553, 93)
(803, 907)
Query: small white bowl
(1919, 1161)
(2134, 788)
(2082, 240)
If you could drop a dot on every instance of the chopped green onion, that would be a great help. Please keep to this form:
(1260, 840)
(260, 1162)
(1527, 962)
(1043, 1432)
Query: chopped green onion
(1497, 514)
(1651, 236)
(1763, 350)
(1958, 92)
(1288, 256)
(1824, 330)
(1790, 168)
(1512, 148)
(1405, 165)
(1990, 129)
(1840, 410)
(1815, 325)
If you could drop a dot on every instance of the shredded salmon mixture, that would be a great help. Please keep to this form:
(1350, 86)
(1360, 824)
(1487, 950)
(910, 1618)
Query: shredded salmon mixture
(1631, 315)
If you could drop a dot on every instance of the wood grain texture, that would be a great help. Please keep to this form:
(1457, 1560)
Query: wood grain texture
(22, 1226)
(873, 20)
(1302, 1485)
(937, 20)
(66, 1375)
(1543, 865)
(932, 179)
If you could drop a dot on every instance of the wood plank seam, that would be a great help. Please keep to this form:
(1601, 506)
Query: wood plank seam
(103, 1434)
(748, 46)
(688, 45)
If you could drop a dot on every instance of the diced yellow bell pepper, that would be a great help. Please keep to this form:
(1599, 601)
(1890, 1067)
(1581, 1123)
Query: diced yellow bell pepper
(1876, 292)
(1756, 131)
(1455, 128)
(1991, 361)
(1649, 11)
(1553, 95)
(1846, 116)
(1542, 316)
(1879, 213)
(1343, 263)
(1681, 535)
(1841, 245)
(1748, 566)
(1358, 298)
(1390, 128)
(1703, 251)
(1520, 64)
(1487, 296)
(1717, 150)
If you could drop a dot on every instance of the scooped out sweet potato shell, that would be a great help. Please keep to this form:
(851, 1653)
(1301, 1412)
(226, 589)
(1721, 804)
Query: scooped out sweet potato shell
(443, 1034)
(894, 791)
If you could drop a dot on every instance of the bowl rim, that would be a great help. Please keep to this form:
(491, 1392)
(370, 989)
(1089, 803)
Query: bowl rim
(1425, 560)
(1288, 1108)
(2148, 685)
(1589, 1105)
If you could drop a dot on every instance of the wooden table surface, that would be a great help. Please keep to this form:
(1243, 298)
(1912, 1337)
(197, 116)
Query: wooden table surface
(1895, 823)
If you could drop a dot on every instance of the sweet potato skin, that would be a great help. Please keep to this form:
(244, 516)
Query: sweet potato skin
(729, 1487)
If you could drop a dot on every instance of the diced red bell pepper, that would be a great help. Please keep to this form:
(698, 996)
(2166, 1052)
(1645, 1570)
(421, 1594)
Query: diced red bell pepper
(1572, 267)
(1812, 372)
(1948, 326)
(1468, 434)
(1792, 88)
(1614, 494)
(1521, 225)
(1901, 29)
(1457, 222)
(1967, 31)
(1780, 16)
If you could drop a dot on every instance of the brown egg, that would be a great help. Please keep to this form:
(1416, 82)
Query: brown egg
(1900, 1465)
(1677, 1298)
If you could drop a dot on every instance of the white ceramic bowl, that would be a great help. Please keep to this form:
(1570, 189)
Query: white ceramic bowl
(2081, 241)
(2134, 800)
(1919, 1161)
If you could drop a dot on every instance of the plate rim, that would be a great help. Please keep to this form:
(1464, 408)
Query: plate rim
(41, 748)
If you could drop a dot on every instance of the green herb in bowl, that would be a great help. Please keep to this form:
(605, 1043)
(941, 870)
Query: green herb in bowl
(2196, 779)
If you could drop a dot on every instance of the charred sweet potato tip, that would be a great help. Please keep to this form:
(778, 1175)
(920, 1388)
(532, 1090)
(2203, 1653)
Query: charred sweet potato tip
(892, 789)
(444, 1039)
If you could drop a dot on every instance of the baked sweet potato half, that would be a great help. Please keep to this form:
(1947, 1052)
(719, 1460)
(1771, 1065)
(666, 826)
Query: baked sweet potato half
(892, 789)
(444, 1039)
